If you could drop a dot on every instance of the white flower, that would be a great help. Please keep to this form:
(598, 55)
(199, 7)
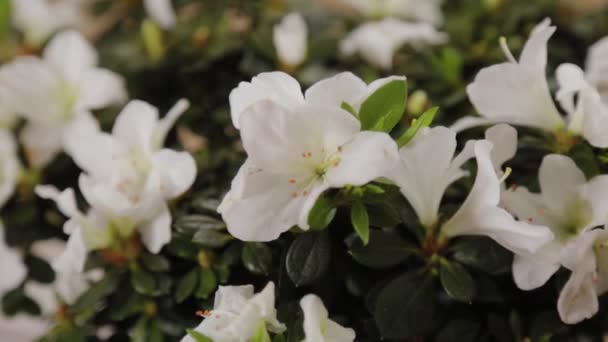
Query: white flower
(39, 19)
(377, 42)
(517, 93)
(571, 207)
(317, 325)
(53, 92)
(290, 38)
(596, 67)
(238, 312)
(9, 166)
(127, 179)
(161, 11)
(11, 264)
(285, 90)
(295, 153)
(416, 10)
(428, 167)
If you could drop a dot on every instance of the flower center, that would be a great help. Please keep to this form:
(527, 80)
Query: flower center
(66, 98)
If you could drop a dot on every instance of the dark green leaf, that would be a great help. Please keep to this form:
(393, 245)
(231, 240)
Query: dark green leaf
(195, 222)
(405, 307)
(207, 283)
(127, 307)
(186, 285)
(322, 213)
(483, 254)
(461, 330)
(96, 293)
(211, 238)
(424, 120)
(385, 249)
(257, 257)
(143, 281)
(155, 263)
(383, 109)
(308, 257)
(39, 269)
(456, 281)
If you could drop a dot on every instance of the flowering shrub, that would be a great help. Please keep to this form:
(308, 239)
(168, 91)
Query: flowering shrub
(318, 171)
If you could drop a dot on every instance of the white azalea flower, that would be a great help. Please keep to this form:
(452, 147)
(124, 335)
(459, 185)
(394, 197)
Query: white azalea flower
(596, 67)
(285, 90)
(571, 207)
(516, 92)
(290, 38)
(9, 166)
(416, 10)
(295, 154)
(162, 12)
(377, 42)
(428, 166)
(53, 92)
(11, 264)
(39, 19)
(317, 325)
(238, 312)
(127, 179)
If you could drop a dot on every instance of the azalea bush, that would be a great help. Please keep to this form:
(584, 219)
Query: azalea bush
(331, 170)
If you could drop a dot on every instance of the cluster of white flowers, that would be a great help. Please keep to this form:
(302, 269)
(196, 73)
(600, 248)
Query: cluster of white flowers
(128, 176)
(38, 20)
(238, 313)
(375, 41)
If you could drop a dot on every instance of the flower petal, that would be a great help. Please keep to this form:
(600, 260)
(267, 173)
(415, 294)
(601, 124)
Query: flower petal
(578, 298)
(480, 214)
(531, 271)
(75, 255)
(425, 171)
(317, 325)
(275, 86)
(331, 92)
(290, 38)
(157, 232)
(136, 125)
(66, 200)
(42, 142)
(559, 179)
(368, 156)
(11, 264)
(178, 171)
(100, 88)
(504, 141)
(71, 55)
(162, 12)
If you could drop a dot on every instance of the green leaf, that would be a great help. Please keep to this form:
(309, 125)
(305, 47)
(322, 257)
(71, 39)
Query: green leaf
(96, 293)
(483, 254)
(5, 18)
(405, 307)
(308, 257)
(195, 222)
(143, 281)
(261, 334)
(424, 120)
(461, 330)
(584, 157)
(385, 249)
(322, 213)
(383, 109)
(456, 281)
(257, 258)
(197, 336)
(155, 263)
(347, 107)
(211, 238)
(360, 221)
(39, 269)
(207, 283)
(186, 285)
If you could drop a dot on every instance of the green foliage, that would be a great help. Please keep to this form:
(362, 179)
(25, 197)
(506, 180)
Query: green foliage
(308, 257)
(456, 281)
(360, 221)
(383, 109)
